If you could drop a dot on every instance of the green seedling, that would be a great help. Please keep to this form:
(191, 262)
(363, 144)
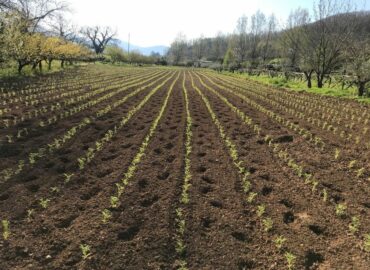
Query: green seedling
(6, 231)
(324, 195)
(352, 164)
(367, 242)
(44, 203)
(106, 215)
(290, 258)
(246, 186)
(267, 223)
(30, 213)
(114, 201)
(120, 189)
(354, 225)
(55, 189)
(85, 250)
(360, 172)
(67, 177)
(340, 209)
(279, 241)
(180, 247)
(251, 197)
(261, 210)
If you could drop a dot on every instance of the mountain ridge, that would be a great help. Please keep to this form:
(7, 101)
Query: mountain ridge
(161, 49)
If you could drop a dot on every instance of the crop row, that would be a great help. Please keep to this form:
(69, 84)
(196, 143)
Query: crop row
(56, 144)
(359, 171)
(21, 133)
(102, 142)
(308, 178)
(14, 120)
(330, 120)
(250, 193)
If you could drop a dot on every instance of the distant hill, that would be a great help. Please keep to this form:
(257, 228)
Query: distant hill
(144, 50)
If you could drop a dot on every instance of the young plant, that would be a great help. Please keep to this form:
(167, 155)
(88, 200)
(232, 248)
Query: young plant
(106, 215)
(114, 201)
(6, 231)
(246, 186)
(55, 189)
(337, 152)
(67, 177)
(267, 223)
(354, 225)
(251, 197)
(367, 242)
(81, 163)
(290, 258)
(260, 210)
(85, 250)
(44, 203)
(352, 164)
(324, 195)
(30, 214)
(360, 172)
(279, 241)
(340, 209)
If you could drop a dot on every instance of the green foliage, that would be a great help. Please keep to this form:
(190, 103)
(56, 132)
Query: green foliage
(116, 54)
(367, 242)
(6, 230)
(106, 215)
(340, 209)
(354, 225)
(281, 82)
(279, 241)
(85, 250)
(44, 203)
(290, 258)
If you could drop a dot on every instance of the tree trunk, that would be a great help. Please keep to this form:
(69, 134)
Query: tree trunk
(49, 64)
(62, 64)
(308, 78)
(40, 66)
(20, 67)
(320, 79)
(361, 88)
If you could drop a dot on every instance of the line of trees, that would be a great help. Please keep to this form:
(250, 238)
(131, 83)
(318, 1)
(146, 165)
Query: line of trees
(334, 38)
(33, 32)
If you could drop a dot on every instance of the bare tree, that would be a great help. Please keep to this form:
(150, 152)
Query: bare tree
(291, 37)
(357, 54)
(240, 40)
(270, 31)
(325, 39)
(33, 11)
(178, 48)
(99, 37)
(258, 21)
(199, 48)
(219, 47)
(62, 28)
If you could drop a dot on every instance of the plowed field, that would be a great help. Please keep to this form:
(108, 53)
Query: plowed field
(149, 168)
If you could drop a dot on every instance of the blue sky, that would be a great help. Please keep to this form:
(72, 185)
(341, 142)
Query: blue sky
(158, 22)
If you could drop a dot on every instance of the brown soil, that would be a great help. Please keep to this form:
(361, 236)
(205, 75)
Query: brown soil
(222, 230)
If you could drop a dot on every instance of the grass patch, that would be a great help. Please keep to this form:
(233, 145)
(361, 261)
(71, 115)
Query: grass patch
(10, 71)
(336, 91)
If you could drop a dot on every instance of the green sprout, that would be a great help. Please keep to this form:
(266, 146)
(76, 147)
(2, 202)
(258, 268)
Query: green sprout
(279, 241)
(106, 215)
(86, 251)
(6, 231)
(290, 258)
(44, 203)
